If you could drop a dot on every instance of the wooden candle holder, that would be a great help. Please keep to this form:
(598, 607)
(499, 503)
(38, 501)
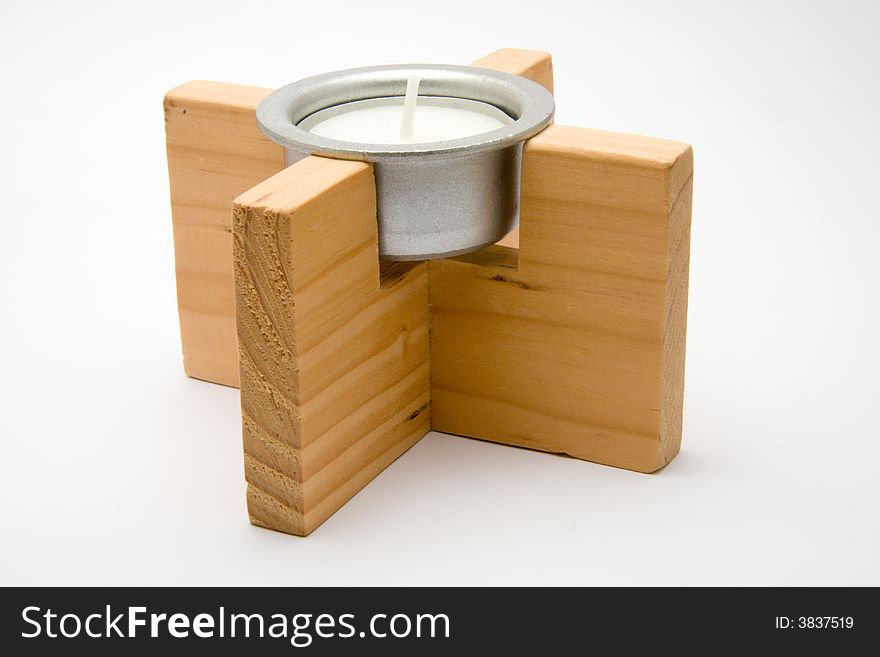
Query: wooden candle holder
(573, 343)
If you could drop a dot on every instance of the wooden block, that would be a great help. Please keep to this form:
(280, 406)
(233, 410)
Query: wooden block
(216, 152)
(532, 64)
(334, 364)
(577, 345)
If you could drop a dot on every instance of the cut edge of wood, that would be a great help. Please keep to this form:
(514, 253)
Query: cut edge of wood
(535, 65)
(295, 186)
(621, 148)
(207, 93)
(675, 300)
(280, 249)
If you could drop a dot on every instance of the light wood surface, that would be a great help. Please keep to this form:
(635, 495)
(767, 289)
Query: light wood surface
(334, 365)
(216, 152)
(574, 344)
(532, 64)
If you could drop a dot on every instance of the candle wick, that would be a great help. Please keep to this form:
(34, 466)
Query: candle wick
(409, 107)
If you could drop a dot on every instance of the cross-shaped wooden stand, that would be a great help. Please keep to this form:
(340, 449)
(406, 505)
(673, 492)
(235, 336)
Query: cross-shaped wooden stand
(573, 343)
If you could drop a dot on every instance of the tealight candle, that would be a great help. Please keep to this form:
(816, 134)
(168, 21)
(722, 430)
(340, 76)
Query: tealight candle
(406, 120)
(444, 142)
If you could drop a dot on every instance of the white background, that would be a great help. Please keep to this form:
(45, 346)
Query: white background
(117, 469)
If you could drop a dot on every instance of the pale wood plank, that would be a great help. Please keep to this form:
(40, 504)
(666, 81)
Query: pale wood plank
(334, 362)
(576, 345)
(215, 152)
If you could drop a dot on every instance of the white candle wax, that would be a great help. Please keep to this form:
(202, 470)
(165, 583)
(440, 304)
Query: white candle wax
(380, 120)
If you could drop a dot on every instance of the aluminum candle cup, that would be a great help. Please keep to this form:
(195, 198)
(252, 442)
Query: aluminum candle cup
(435, 198)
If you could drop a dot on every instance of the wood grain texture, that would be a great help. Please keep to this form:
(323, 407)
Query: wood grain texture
(334, 361)
(532, 64)
(575, 344)
(216, 152)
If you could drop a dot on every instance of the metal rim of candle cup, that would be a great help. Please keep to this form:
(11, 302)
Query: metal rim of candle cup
(435, 199)
(529, 104)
